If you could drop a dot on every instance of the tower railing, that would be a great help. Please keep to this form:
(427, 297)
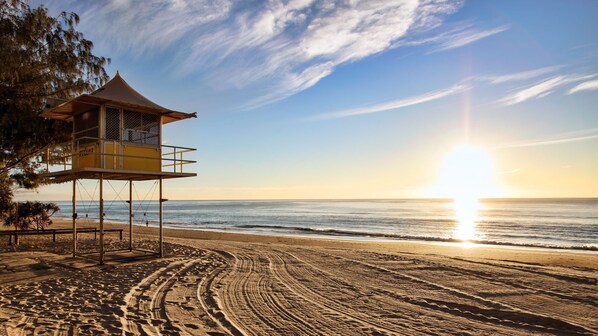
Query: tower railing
(69, 155)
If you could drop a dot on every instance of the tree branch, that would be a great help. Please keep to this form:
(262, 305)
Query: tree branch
(9, 166)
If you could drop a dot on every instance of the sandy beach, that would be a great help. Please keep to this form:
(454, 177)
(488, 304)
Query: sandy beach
(284, 167)
(213, 283)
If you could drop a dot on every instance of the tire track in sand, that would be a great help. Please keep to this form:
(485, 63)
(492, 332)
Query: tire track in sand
(280, 271)
(509, 315)
(240, 290)
(145, 311)
(263, 304)
(498, 280)
(205, 294)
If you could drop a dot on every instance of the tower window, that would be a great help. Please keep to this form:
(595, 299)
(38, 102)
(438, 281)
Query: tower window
(112, 124)
(86, 126)
(141, 127)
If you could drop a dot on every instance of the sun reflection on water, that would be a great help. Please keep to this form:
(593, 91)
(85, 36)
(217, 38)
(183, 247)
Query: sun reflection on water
(466, 216)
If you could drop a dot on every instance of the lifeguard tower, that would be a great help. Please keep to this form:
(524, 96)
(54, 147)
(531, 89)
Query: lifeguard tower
(117, 135)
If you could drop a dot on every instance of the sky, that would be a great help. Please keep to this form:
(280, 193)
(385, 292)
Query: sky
(360, 99)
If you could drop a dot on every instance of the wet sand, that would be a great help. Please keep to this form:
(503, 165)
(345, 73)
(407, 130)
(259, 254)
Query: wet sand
(223, 283)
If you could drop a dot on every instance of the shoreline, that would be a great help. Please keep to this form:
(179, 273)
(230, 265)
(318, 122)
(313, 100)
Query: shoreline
(372, 238)
(566, 257)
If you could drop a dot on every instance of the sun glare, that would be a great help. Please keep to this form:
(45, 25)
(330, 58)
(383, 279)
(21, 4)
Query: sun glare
(466, 217)
(467, 175)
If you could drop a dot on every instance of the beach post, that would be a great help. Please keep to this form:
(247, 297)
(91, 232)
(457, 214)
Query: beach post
(161, 248)
(130, 215)
(101, 219)
(74, 217)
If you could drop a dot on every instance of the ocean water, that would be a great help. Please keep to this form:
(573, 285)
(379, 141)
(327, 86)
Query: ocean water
(555, 223)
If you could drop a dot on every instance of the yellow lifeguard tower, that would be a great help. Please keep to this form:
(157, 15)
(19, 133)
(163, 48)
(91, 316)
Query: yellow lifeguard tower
(117, 135)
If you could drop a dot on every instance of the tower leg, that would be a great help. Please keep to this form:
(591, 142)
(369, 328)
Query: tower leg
(161, 244)
(101, 219)
(74, 218)
(130, 215)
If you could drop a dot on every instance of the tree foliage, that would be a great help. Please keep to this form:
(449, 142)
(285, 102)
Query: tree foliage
(41, 57)
(30, 215)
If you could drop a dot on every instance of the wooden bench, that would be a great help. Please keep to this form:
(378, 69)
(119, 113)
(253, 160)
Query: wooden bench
(53, 232)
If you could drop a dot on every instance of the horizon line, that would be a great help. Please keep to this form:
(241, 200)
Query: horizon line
(361, 199)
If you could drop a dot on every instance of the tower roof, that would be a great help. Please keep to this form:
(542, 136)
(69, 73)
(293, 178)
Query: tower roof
(116, 92)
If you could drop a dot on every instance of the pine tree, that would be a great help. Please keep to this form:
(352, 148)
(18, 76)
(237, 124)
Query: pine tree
(41, 57)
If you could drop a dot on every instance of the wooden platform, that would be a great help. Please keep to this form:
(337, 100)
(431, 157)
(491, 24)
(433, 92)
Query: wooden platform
(111, 174)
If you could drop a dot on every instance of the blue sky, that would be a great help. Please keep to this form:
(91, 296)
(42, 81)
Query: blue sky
(361, 99)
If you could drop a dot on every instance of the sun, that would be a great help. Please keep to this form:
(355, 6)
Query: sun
(467, 173)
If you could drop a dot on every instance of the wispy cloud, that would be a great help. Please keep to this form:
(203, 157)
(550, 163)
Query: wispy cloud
(585, 86)
(395, 104)
(542, 88)
(468, 36)
(520, 76)
(580, 135)
(536, 91)
(274, 47)
(155, 25)
(459, 35)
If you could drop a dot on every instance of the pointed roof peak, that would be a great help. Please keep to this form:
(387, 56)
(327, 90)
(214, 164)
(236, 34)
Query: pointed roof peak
(119, 93)
(118, 90)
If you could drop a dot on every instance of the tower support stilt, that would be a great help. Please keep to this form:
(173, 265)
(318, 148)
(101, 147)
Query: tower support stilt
(131, 215)
(101, 219)
(74, 217)
(161, 244)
